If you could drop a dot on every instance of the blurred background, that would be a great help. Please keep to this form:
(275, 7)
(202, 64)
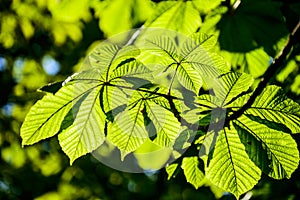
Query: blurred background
(43, 41)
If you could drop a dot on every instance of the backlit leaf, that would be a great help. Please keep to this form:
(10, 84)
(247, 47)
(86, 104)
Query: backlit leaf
(45, 117)
(175, 15)
(275, 152)
(193, 174)
(230, 167)
(87, 131)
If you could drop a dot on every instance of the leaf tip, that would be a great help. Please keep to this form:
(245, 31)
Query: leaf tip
(123, 154)
(71, 162)
(24, 143)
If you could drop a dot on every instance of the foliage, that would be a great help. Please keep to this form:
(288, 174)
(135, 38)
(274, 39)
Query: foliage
(121, 98)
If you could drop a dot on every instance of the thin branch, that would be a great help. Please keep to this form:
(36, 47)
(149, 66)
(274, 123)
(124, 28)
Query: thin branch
(273, 69)
(167, 96)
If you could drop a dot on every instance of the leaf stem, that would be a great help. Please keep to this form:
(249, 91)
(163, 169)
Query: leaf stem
(170, 99)
(274, 68)
(167, 96)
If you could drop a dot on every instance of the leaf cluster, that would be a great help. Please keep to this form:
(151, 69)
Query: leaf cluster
(168, 88)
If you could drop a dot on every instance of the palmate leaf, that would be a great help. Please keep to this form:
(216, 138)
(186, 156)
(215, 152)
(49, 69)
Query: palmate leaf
(175, 15)
(87, 131)
(77, 112)
(46, 116)
(146, 116)
(256, 142)
(193, 174)
(186, 59)
(167, 47)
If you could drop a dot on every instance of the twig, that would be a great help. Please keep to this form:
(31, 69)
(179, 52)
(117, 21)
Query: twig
(274, 68)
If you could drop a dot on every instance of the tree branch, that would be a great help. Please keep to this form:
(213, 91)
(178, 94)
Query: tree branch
(274, 68)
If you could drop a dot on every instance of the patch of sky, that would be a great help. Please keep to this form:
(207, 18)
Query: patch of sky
(3, 63)
(50, 65)
(18, 69)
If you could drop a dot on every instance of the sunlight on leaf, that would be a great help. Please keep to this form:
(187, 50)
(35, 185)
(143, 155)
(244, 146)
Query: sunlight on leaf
(87, 131)
(193, 174)
(273, 105)
(170, 169)
(175, 15)
(230, 167)
(45, 117)
(275, 152)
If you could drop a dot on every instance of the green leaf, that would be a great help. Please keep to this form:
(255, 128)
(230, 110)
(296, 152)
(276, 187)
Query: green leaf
(275, 152)
(123, 80)
(255, 141)
(257, 26)
(175, 15)
(168, 49)
(170, 169)
(289, 72)
(166, 124)
(205, 6)
(121, 15)
(183, 142)
(164, 45)
(274, 106)
(45, 117)
(128, 131)
(226, 89)
(186, 61)
(189, 77)
(207, 142)
(230, 167)
(107, 55)
(295, 87)
(231, 86)
(254, 62)
(197, 43)
(130, 68)
(193, 174)
(87, 131)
